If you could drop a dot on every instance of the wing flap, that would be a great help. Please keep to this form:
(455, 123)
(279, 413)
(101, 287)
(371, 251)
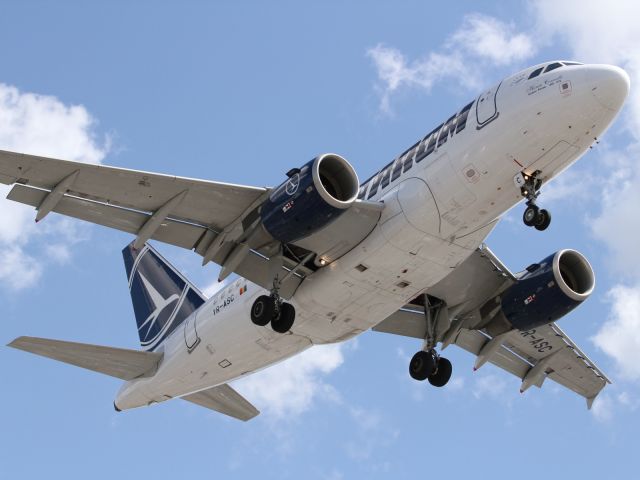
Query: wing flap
(181, 234)
(225, 400)
(566, 363)
(473, 340)
(116, 362)
(207, 202)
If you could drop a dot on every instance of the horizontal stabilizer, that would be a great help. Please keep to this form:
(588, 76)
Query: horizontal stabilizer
(224, 399)
(116, 362)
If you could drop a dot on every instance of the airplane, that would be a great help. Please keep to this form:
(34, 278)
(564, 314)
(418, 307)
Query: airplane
(322, 258)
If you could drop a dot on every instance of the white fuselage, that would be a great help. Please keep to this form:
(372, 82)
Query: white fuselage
(435, 215)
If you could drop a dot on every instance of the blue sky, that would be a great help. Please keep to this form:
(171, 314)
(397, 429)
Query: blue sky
(242, 92)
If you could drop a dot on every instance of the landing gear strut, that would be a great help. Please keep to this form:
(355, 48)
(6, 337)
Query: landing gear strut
(530, 189)
(427, 364)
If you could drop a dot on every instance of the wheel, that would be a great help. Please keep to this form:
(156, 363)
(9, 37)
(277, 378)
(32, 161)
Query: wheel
(262, 310)
(422, 365)
(543, 220)
(442, 375)
(530, 215)
(284, 322)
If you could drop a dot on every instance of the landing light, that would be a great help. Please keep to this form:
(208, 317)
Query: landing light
(322, 262)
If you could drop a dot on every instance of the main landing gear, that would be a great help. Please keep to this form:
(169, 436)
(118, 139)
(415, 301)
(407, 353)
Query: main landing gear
(533, 216)
(427, 364)
(272, 309)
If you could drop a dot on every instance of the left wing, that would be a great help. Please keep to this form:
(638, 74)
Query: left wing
(532, 355)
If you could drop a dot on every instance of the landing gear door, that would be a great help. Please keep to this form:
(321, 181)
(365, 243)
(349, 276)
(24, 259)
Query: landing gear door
(487, 107)
(191, 337)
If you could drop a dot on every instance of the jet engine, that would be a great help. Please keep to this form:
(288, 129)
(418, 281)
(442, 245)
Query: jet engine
(312, 197)
(545, 292)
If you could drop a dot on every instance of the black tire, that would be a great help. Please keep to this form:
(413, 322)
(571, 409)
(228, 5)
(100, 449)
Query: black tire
(262, 310)
(422, 365)
(530, 215)
(543, 221)
(284, 322)
(442, 375)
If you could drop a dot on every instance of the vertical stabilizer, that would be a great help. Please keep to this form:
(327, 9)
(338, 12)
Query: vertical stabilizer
(162, 297)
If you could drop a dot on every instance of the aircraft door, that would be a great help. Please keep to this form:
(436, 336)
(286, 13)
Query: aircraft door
(487, 107)
(191, 337)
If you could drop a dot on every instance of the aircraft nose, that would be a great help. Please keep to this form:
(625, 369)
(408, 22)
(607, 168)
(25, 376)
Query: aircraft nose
(610, 85)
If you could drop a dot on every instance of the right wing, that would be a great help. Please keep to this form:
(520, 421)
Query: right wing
(532, 355)
(226, 400)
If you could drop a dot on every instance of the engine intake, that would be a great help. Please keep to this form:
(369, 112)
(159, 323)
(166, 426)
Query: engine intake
(310, 199)
(548, 290)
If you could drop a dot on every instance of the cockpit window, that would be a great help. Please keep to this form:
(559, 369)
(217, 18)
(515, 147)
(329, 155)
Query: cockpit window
(572, 63)
(535, 73)
(552, 66)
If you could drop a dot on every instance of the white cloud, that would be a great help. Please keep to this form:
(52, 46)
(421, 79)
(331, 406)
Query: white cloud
(609, 404)
(481, 41)
(40, 125)
(18, 269)
(43, 125)
(619, 336)
(603, 407)
(489, 386)
(396, 72)
(289, 388)
(488, 37)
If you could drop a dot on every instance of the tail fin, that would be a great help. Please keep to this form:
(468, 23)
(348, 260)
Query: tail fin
(162, 297)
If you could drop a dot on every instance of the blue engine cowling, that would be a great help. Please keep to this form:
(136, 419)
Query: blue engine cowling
(548, 290)
(310, 199)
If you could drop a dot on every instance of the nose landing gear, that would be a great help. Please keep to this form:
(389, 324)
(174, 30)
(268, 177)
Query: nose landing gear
(533, 216)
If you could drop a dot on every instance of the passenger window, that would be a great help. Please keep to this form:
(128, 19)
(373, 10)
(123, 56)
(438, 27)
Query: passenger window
(374, 186)
(461, 122)
(553, 66)
(535, 73)
(408, 161)
(397, 170)
(385, 177)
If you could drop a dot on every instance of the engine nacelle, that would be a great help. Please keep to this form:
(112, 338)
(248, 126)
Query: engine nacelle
(311, 199)
(548, 290)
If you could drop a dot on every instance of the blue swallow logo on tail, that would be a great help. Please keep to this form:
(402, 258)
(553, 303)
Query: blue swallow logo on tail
(162, 297)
